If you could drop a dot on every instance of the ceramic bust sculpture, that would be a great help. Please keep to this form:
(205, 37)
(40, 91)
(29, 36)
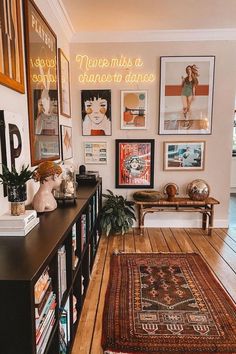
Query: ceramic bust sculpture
(48, 174)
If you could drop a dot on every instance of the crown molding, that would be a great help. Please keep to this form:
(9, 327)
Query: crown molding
(62, 17)
(155, 36)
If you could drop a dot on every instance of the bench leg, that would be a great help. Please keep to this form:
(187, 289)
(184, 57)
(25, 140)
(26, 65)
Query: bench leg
(211, 217)
(141, 219)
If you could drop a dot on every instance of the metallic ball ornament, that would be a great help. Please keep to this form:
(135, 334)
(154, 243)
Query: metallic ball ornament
(198, 190)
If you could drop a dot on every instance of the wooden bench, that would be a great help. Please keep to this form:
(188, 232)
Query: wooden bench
(178, 204)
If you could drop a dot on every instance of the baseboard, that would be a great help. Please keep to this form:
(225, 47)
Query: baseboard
(218, 223)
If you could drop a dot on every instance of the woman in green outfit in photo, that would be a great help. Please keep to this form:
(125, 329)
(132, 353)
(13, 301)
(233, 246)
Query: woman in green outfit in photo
(189, 84)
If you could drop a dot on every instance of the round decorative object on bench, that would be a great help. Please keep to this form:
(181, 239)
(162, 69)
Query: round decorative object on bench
(198, 190)
(171, 190)
(147, 196)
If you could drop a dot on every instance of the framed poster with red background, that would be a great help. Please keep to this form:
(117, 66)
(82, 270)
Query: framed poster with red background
(134, 163)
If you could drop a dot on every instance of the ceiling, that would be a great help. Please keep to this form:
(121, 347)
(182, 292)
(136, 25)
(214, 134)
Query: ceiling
(144, 15)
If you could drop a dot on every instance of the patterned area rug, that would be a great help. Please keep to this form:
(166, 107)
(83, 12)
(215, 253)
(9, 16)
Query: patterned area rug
(166, 303)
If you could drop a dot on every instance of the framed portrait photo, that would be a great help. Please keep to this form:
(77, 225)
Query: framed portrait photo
(133, 109)
(134, 163)
(66, 142)
(96, 112)
(95, 152)
(11, 54)
(184, 156)
(64, 81)
(186, 95)
(41, 60)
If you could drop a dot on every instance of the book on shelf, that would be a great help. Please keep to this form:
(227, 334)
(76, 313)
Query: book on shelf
(64, 322)
(18, 230)
(62, 282)
(75, 258)
(41, 331)
(8, 220)
(74, 309)
(41, 286)
(41, 345)
(40, 307)
(83, 230)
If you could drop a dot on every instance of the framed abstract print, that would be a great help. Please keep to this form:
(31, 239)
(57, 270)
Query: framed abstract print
(96, 112)
(134, 163)
(11, 54)
(64, 80)
(186, 95)
(41, 59)
(133, 109)
(95, 152)
(66, 142)
(184, 155)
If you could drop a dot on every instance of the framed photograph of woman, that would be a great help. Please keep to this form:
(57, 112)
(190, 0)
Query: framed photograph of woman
(134, 163)
(64, 81)
(186, 95)
(96, 112)
(133, 109)
(11, 54)
(184, 156)
(42, 88)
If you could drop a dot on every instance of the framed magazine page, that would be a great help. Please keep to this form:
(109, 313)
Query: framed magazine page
(133, 109)
(184, 155)
(186, 95)
(11, 54)
(134, 163)
(41, 60)
(64, 80)
(95, 152)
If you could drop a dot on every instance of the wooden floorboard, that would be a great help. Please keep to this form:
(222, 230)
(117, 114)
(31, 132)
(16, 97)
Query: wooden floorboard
(218, 251)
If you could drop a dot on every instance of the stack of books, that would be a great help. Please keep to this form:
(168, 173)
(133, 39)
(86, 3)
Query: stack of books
(45, 304)
(20, 225)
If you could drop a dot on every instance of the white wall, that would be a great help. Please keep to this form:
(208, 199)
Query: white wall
(218, 145)
(15, 102)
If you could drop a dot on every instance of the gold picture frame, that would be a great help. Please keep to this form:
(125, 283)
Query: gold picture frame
(11, 53)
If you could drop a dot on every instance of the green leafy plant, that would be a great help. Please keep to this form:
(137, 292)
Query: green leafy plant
(117, 214)
(13, 178)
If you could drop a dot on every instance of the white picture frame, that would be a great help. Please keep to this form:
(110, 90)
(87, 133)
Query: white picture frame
(95, 152)
(134, 109)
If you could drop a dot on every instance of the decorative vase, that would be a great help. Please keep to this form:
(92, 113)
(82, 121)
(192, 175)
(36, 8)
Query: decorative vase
(17, 196)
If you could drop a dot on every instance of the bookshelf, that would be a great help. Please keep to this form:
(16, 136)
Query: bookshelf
(44, 277)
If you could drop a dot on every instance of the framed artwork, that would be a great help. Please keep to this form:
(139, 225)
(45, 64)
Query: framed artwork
(133, 109)
(96, 112)
(11, 54)
(186, 95)
(64, 80)
(95, 153)
(184, 156)
(41, 59)
(134, 163)
(66, 142)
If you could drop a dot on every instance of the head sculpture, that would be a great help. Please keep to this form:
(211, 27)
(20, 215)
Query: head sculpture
(45, 170)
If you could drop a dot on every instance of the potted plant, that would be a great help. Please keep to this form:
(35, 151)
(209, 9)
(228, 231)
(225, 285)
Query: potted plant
(117, 214)
(16, 187)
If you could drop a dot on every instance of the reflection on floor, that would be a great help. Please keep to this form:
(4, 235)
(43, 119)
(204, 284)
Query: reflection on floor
(232, 210)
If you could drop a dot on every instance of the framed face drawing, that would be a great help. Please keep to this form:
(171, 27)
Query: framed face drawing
(11, 55)
(133, 109)
(66, 142)
(134, 163)
(184, 156)
(41, 58)
(96, 112)
(64, 80)
(186, 95)
(95, 152)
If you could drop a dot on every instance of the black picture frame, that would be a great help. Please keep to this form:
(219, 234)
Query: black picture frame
(135, 163)
(42, 85)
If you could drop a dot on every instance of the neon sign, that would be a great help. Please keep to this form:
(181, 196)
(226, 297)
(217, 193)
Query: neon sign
(120, 68)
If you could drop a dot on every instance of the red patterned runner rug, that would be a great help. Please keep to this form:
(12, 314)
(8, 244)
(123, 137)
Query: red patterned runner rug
(166, 303)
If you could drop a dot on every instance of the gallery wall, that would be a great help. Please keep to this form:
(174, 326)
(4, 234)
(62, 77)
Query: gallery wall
(15, 102)
(218, 144)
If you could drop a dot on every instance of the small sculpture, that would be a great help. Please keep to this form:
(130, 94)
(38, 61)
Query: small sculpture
(48, 174)
(171, 190)
(198, 190)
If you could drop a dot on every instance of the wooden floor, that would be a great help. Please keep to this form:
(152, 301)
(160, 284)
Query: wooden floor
(218, 250)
